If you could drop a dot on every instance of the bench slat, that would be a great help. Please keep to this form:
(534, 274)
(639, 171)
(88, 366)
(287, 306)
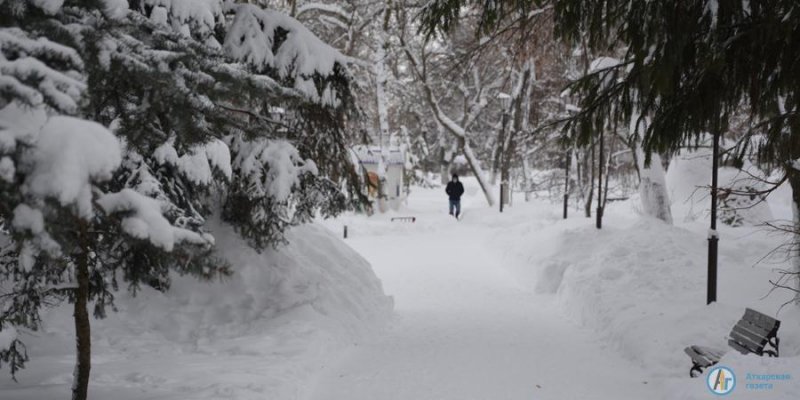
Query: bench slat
(738, 347)
(697, 357)
(704, 356)
(764, 321)
(760, 340)
(754, 329)
(747, 343)
(712, 353)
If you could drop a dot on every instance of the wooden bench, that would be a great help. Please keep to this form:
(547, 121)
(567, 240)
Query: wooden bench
(755, 333)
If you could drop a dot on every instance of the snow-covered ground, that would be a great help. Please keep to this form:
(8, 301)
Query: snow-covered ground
(519, 305)
(259, 335)
(525, 305)
(466, 327)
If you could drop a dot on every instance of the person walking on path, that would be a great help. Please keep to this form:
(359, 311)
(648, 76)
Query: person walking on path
(454, 190)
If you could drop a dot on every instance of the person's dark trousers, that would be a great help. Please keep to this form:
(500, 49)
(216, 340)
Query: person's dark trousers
(455, 204)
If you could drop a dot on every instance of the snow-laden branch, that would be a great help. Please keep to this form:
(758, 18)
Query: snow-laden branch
(334, 9)
(299, 55)
(451, 126)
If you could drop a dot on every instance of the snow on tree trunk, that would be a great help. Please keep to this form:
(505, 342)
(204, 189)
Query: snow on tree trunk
(475, 166)
(652, 180)
(444, 171)
(446, 156)
(383, 113)
(380, 82)
(498, 153)
(653, 187)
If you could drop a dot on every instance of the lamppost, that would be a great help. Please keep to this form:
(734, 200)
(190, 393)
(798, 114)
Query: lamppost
(505, 104)
(599, 222)
(713, 237)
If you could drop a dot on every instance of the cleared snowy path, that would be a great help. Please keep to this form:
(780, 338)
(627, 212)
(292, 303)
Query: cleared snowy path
(465, 328)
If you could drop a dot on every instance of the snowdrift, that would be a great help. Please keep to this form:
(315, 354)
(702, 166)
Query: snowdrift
(260, 334)
(688, 179)
(641, 285)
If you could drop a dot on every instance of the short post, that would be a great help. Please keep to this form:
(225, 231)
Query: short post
(566, 181)
(345, 231)
(502, 200)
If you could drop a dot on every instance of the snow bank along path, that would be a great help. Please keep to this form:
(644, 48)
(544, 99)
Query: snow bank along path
(258, 335)
(465, 326)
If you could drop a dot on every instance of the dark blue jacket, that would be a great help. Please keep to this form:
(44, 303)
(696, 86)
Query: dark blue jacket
(454, 190)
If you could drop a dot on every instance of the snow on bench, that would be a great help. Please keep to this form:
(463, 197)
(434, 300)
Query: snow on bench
(755, 333)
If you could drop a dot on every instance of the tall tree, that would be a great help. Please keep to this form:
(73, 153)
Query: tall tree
(119, 124)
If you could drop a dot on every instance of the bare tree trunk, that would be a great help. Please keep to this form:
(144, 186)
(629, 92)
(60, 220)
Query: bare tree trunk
(457, 131)
(475, 166)
(505, 173)
(379, 69)
(607, 172)
(590, 195)
(511, 142)
(653, 187)
(444, 164)
(497, 163)
(498, 152)
(444, 172)
(526, 175)
(80, 385)
(652, 182)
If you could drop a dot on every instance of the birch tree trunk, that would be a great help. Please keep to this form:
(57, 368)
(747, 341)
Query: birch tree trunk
(444, 168)
(653, 187)
(652, 182)
(380, 77)
(510, 147)
(498, 152)
(475, 166)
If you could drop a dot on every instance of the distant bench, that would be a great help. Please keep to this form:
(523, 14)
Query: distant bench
(755, 333)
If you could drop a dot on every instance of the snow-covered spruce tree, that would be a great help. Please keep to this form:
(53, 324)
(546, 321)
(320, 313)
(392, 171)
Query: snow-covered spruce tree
(235, 83)
(34, 76)
(304, 165)
(72, 230)
(87, 209)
